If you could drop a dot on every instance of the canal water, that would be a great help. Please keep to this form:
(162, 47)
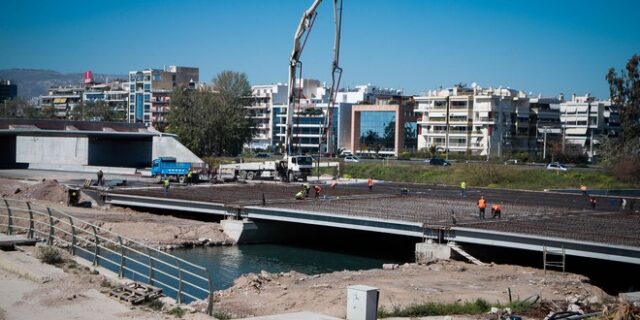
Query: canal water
(227, 263)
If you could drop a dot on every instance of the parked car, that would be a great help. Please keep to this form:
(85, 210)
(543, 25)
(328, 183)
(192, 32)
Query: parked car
(438, 162)
(511, 161)
(263, 155)
(556, 166)
(351, 159)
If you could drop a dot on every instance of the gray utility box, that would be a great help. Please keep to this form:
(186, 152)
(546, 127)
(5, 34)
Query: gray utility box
(362, 303)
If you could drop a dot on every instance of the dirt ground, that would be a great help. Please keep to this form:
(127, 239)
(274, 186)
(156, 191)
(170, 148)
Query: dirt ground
(445, 281)
(161, 231)
(33, 290)
(267, 294)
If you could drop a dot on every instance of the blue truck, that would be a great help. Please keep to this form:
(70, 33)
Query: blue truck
(168, 167)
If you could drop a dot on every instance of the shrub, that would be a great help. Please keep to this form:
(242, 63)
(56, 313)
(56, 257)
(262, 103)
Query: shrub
(222, 315)
(627, 169)
(155, 304)
(177, 312)
(49, 255)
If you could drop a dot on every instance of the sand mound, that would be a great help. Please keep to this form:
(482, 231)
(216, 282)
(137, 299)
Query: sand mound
(47, 190)
(8, 187)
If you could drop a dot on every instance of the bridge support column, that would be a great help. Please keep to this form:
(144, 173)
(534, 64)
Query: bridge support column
(430, 251)
(259, 231)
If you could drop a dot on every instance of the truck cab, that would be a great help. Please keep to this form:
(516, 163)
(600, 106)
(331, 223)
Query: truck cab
(299, 167)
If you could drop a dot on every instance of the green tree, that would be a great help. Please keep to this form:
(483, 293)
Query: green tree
(622, 152)
(213, 122)
(624, 90)
(17, 108)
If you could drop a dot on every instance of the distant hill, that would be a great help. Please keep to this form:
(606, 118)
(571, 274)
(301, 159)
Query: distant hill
(34, 82)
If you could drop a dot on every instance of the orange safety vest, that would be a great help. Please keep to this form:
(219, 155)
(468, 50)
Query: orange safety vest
(496, 207)
(482, 203)
(370, 182)
(317, 189)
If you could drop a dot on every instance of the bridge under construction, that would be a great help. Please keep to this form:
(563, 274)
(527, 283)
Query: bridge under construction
(538, 221)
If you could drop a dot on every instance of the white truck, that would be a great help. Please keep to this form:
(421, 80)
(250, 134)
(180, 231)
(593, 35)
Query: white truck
(295, 167)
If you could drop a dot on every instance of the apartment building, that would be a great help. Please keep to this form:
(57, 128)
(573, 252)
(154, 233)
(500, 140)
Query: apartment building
(365, 94)
(475, 121)
(114, 94)
(584, 119)
(261, 111)
(150, 90)
(62, 99)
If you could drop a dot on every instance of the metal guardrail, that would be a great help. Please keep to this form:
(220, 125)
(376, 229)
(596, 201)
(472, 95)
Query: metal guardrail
(128, 257)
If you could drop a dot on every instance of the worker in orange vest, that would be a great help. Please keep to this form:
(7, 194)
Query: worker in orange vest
(317, 190)
(482, 204)
(496, 210)
(370, 184)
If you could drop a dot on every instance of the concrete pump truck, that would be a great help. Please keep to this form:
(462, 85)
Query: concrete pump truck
(294, 166)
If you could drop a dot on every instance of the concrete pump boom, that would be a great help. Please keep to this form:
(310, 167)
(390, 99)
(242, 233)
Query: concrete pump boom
(299, 41)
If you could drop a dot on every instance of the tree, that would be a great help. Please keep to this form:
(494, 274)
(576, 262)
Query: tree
(623, 151)
(17, 108)
(213, 122)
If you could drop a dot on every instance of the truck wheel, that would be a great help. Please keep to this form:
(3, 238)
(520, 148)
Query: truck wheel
(251, 175)
(182, 179)
(291, 177)
(242, 175)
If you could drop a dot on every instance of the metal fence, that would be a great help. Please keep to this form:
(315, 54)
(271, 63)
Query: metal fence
(181, 279)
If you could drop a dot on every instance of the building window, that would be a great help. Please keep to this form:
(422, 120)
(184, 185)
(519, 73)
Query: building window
(147, 87)
(377, 130)
(147, 107)
(132, 87)
(147, 97)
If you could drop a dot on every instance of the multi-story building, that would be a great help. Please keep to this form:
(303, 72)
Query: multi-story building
(386, 128)
(264, 97)
(365, 94)
(268, 112)
(114, 94)
(150, 90)
(62, 99)
(584, 119)
(474, 120)
(8, 90)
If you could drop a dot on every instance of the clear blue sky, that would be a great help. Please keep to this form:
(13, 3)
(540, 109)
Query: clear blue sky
(539, 46)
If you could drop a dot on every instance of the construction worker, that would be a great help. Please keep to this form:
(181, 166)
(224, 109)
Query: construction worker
(496, 210)
(100, 176)
(317, 190)
(306, 187)
(583, 188)
(300, 195)
(189, 176)
(453, 218)
(166, 185)
(482, 204)
(370, 184)
(593, 202)
(463, 188)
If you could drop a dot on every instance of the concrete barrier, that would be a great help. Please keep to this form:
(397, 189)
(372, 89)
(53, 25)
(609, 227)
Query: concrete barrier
(429, 251)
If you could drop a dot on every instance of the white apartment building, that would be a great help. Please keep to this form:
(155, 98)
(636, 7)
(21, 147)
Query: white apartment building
(268, 111)
(364, 94)
(476, 121)
(584, 119)
(261, 111)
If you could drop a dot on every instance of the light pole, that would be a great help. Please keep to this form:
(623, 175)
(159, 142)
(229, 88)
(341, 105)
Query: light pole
(544, 145)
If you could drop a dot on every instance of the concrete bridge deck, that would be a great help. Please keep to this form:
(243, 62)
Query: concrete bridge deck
(530, 220)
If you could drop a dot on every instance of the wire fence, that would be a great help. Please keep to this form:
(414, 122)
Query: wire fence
(180, 279)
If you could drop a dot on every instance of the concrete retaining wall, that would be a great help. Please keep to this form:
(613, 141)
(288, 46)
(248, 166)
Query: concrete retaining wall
(168, 146)
(52, 150)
